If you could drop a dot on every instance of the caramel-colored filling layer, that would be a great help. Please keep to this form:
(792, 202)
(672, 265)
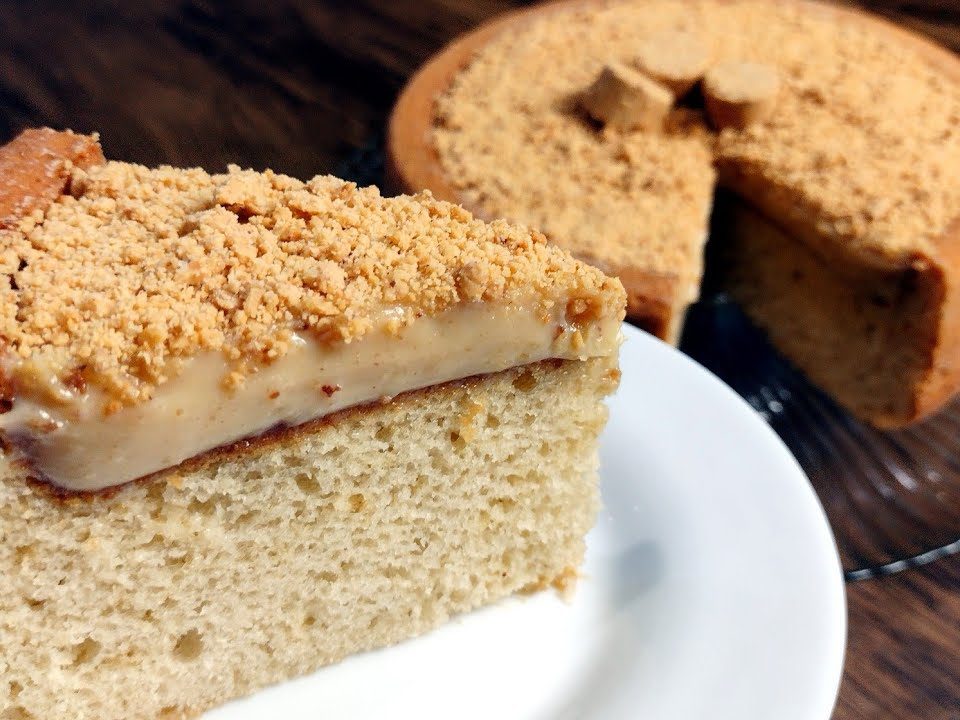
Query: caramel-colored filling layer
(72, 443)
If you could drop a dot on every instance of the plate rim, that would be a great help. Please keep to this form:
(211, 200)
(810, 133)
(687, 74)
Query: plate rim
(834, 665)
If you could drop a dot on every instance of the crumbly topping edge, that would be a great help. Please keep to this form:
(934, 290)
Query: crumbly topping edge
(139, 269)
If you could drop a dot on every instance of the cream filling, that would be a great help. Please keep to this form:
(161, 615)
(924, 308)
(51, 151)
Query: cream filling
(73, 444)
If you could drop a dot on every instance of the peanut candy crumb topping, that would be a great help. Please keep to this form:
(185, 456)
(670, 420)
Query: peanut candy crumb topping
(136, 270)
(512, 143)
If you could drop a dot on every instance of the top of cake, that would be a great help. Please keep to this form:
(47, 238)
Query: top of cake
(514, 143)
(150, 315)
(135, 269)
(864, 138)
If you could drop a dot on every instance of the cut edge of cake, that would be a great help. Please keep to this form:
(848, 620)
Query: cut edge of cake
(884, 342)
(264, 561)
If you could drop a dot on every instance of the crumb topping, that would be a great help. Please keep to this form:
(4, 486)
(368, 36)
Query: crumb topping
(139, 269)
(514, 142)
(510, 140)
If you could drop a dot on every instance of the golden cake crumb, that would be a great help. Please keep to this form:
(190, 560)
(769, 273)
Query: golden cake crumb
(138, 269)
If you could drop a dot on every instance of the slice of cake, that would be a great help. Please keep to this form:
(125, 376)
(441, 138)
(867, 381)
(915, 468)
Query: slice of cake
(841, 129)
(253, 425)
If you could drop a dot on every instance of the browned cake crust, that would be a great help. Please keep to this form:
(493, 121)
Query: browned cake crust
(942, 377)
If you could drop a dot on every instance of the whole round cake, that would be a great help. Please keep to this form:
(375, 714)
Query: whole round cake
(610, 125)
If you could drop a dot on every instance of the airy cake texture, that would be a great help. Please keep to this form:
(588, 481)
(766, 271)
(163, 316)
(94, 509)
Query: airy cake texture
(830, 159)
(271, 558)
(862, 334)
(421, 396)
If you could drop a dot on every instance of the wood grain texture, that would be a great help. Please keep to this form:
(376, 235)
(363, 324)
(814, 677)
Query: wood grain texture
(294, 85)
(290, 85)
(903, 649)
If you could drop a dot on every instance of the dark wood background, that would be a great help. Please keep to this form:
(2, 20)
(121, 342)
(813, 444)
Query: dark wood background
(297, 86)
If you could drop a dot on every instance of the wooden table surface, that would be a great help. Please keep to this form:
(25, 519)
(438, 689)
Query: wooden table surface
(297, 86)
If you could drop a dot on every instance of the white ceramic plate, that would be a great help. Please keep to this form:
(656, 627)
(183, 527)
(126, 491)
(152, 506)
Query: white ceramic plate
(712, 589)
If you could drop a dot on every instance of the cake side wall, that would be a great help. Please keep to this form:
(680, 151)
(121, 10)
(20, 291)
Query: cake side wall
(864, 335)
